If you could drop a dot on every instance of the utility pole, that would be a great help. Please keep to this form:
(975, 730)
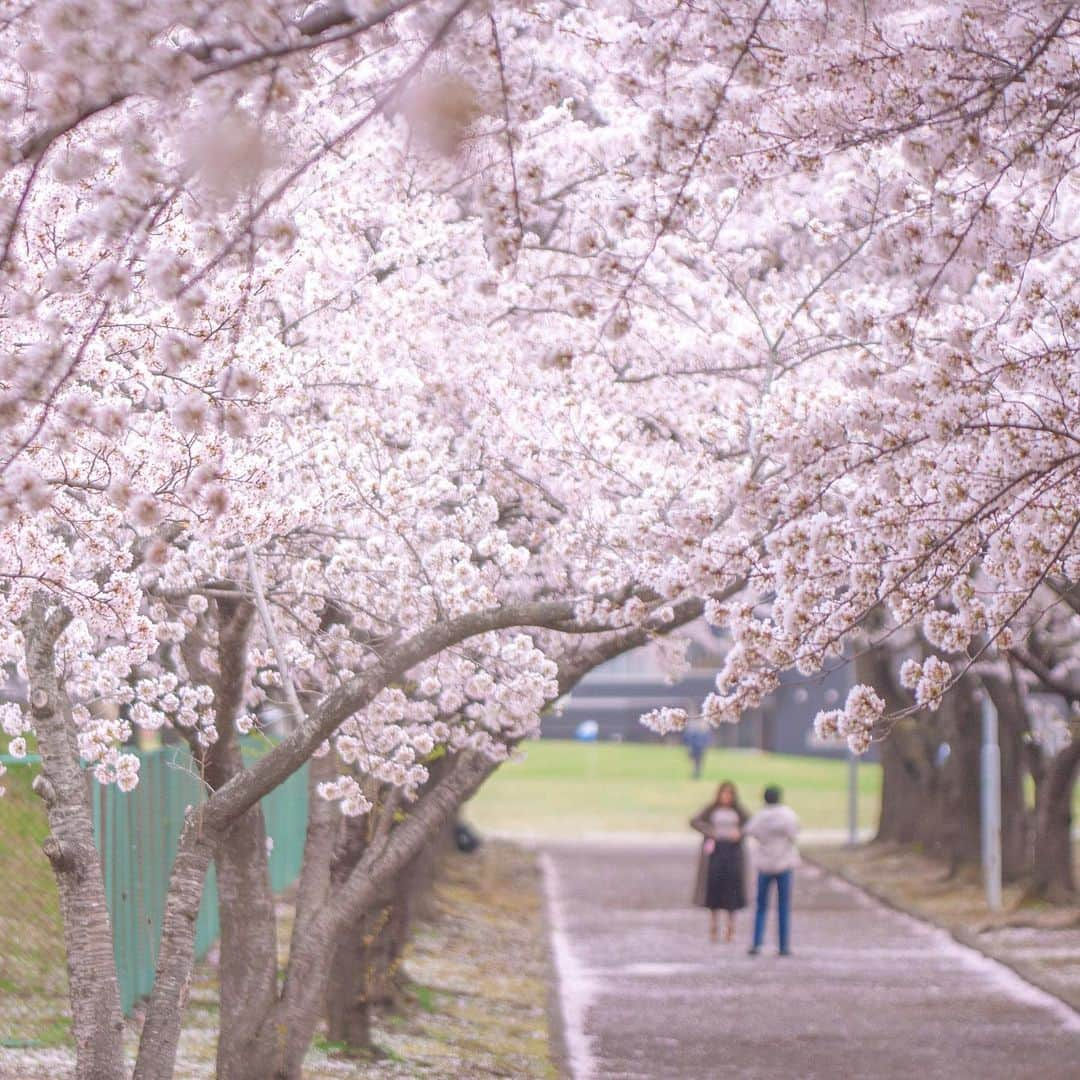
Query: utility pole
(990, 790)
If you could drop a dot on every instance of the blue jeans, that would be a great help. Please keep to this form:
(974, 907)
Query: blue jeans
(783, 898)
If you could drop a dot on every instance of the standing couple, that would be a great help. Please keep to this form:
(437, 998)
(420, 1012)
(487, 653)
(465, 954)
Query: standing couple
(721, 868)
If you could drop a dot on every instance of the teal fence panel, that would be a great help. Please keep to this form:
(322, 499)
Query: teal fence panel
(138, 833)
(286, 828)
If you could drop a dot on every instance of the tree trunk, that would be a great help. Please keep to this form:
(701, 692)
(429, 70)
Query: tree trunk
(366, 969)
(247, 966)
(355, 959)
(97, 1022)
(288, 1031)
(348, 994)
(955, 832)
(1053, 870)
(907, 780)
(907, 755)
(172, 976)
(266, 1041)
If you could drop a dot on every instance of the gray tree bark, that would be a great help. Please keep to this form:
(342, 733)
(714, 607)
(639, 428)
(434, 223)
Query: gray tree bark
(247, 968)
(907, 761)
(350, 984)
(907, 781)
(288, 1030)
(97, 1022)
(1053, 875)
(365, 968)
(172, 977)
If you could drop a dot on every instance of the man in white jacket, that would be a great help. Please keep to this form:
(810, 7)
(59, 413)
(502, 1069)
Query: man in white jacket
(774, 828)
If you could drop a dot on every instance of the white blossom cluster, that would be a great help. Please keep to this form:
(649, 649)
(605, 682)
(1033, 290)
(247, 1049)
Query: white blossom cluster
(855, 722)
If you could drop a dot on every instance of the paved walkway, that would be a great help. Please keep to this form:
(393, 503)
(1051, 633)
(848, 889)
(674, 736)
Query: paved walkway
(869, 992)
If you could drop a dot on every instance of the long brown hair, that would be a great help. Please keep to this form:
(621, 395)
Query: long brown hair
(718, 801)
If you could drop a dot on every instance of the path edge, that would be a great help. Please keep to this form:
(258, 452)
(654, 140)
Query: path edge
(558, 1050)
(570, 1041)
(961, 937)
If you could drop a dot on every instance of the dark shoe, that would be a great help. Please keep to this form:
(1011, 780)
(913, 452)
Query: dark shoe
(784, 952)
(755, 951)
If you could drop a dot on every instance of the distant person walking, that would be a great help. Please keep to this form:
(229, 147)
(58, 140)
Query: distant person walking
(698, 736)
(773, 829)
(721, 876)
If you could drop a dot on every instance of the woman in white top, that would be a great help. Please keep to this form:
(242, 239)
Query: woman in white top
(720, 879)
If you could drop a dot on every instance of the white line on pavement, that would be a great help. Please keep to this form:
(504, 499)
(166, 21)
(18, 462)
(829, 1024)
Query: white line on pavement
(575, 986)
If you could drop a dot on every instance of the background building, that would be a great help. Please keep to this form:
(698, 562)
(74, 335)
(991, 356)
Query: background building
(616, 694)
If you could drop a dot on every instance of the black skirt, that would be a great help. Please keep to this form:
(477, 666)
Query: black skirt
(725, 889)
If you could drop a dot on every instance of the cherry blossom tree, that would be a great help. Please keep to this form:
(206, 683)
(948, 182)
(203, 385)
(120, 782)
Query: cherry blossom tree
(246, 451)
(369, 358)
(916, 440)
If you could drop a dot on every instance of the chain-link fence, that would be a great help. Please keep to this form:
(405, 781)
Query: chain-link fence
(137, 834)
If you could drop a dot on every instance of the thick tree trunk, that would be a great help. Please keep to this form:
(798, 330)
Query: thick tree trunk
(353, 967)
(302, 1000)
(349, 986)
(1053, 869)
(366, 970)
(172, 976)
(907, 756)
(928, 799)
(954, 829)
(907, 780)
(265, 1042)
(97, 1022)
(247, 968)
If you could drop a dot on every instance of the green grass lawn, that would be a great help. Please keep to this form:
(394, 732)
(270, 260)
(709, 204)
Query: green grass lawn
(565, 788)
(33, 976)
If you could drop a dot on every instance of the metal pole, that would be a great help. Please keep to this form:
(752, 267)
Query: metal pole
(853, 799)
(991, 803)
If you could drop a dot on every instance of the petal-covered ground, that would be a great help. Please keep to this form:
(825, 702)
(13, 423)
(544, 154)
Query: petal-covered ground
(869, 992)
(1041, 941)
(476, 1000)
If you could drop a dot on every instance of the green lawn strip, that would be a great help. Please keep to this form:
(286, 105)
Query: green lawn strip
(565, 788)
(33, 974)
